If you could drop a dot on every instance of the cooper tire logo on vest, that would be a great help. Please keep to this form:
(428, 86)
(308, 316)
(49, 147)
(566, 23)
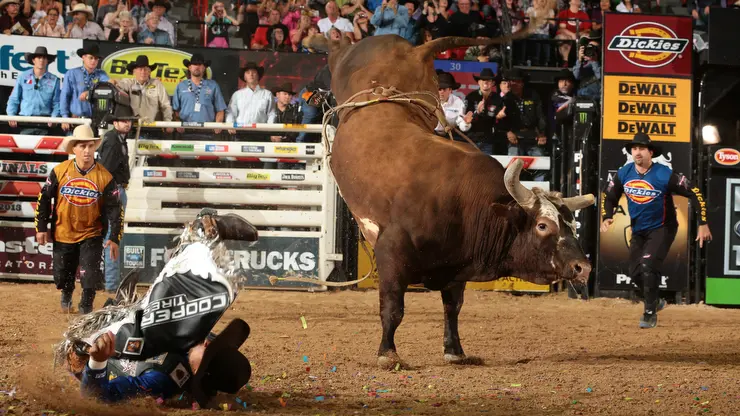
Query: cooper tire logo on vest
(727, 157)
(648, 44)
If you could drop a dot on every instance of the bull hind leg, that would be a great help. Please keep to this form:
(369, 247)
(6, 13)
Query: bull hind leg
(392, 288)
(452, 299)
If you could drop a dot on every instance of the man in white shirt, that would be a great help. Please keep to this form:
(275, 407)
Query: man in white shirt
(334, 20)
(82, 27)
(452, 105)
(251, 104)
(160, 8)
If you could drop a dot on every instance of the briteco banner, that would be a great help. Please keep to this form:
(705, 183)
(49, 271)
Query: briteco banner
(14, 48)
(647, 88)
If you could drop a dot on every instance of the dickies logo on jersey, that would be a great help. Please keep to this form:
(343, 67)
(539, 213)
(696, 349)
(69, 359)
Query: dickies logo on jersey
(80, 192)
(648, 44)
(640, 191)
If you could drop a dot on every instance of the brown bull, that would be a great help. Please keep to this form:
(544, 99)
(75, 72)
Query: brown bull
(437, 212)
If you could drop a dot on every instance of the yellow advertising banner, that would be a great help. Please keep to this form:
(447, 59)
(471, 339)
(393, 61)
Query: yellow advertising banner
(505, 284)
(659, 107)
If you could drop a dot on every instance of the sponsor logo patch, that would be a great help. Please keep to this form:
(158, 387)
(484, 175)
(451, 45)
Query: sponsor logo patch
(640, 191)
(727, 157)
(80, 192)
(648, 44)
(134, 346)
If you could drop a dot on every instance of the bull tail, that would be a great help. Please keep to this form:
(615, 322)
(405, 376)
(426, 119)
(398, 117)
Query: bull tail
(275, 279)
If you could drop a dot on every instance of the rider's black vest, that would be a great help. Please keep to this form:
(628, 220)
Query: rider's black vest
(174, 365)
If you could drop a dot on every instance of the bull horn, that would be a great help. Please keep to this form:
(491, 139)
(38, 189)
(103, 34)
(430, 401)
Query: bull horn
(519, 192)
(575, 203)
(436, 46)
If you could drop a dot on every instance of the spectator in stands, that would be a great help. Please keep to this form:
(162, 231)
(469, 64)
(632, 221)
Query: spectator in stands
(333, 19)
(126, 31)
(148, 96)
(540, 36)
(198, 99)
(700, 12)
(311, 100)
(251, 104)
(152, 34)
(572, 23)
(597, 15)
(296, 10)
(626, 6)
(13, 22)
(562, 100)
(113, 155)
(261, 40)
(432, 20)
(334, 34)
(286, 113)
(411, 33)
(525, 119)
(465, 21)
(588, 69)
(110, 7)
(362, 26)
(82, 27)
(248, 20)
(353, 7)
(390, 18)
(218, 22)
(112, 20)
(49, 25)
(36, 92)
(487, 107)
(79, 228)
(160, 8)
(452, 105)
(279, 42)
(42, 7)
(301, 31)
(79, 81)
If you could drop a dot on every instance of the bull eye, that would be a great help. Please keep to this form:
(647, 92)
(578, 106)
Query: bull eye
(542, 227)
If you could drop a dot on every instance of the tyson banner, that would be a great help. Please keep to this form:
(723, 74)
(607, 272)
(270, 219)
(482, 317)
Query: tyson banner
(647, 88)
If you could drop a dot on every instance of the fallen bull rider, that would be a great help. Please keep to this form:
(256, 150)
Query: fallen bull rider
(162, 345)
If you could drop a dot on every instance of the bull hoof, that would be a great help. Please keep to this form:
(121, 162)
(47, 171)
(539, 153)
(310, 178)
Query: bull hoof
(463, 360)
(391, 361)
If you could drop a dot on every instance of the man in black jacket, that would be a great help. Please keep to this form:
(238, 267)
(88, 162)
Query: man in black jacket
(487, 108)
(113, 155)
(286, 113)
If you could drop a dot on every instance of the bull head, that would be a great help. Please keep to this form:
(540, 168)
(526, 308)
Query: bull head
(553, 235)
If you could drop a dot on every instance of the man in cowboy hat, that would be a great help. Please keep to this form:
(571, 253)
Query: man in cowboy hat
(149, 98)
(159, 8)
(36, 91)
(251, 104)
(12, 21)
(79, 81)
(197, 99)
(113, 155)
(215, 364)
(286, 112)
(452, 105)
(83, 25)
(487, 108)
(87, 206)
(562, 98)
(524, 123)
(649, 187)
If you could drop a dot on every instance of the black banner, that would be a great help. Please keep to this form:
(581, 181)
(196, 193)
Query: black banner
(269, 256)
(613, 271)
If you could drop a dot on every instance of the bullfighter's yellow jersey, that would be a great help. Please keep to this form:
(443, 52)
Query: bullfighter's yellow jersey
(86, 203)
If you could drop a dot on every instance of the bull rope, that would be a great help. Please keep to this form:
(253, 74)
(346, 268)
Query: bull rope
(387, 94)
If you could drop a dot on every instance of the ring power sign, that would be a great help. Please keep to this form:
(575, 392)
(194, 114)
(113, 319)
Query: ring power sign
(649, 45)
(658, 107)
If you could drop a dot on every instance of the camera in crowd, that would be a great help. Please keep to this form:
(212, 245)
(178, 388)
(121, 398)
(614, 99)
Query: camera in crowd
(590, 50)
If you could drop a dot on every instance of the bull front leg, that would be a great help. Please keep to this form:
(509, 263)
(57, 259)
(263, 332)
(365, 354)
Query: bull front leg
(452, 299)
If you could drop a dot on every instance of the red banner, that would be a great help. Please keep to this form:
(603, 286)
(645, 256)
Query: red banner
(21, 254)
(647, 44)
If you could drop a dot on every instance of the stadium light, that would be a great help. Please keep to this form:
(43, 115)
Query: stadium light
(710, 135)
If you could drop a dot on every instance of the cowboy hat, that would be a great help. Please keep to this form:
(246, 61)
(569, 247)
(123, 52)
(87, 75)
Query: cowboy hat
(486, 74)
(122, 112)
(7, 2)
(40, 51)
(82, 133)
(251, 65)
(286, 87)
(222, 368)
(196, 59)
(89, 49)
(162, 3)
(82, 8)
(564, 74)
(141, 61)
(512, 74)
(447, 80)
(642, 139)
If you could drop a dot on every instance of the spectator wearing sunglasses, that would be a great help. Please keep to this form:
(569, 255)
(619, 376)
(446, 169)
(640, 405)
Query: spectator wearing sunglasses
(36, 92)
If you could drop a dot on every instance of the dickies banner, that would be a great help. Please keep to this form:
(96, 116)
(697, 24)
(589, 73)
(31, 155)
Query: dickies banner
(647, 88)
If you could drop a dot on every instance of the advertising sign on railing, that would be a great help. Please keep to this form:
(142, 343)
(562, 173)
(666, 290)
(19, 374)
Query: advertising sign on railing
(14, 48)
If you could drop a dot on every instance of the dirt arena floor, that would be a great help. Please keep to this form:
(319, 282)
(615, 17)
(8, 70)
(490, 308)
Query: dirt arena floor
(546, 355)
